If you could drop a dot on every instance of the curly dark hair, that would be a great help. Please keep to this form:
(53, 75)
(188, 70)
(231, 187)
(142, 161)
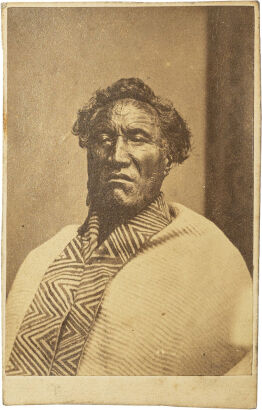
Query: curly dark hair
(173, 128)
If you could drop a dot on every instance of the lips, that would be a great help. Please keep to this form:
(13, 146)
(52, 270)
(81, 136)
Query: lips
(119, 177)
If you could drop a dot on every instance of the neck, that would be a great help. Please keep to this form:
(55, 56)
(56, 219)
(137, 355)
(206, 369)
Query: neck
(112, 216)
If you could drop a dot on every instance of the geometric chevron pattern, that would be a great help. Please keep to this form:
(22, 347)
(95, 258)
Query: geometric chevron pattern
(57, 323)
(34, 347)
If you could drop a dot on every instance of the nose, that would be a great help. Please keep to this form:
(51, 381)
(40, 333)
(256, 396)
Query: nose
(120, 154)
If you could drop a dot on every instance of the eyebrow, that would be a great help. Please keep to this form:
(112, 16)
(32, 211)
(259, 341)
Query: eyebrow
(102, 128)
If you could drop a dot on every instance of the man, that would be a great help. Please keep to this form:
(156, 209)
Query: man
(142, 287)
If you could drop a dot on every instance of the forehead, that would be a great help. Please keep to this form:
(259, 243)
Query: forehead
(128, 112)
(128, 109)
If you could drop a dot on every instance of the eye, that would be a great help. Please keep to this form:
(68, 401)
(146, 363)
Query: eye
(104, 139)
(138, 138)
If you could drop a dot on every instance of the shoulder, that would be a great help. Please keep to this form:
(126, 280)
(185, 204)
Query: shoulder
(60, 239)
(186, 217)
(40, 258)
(202, 232)
(202, 249)
(29, 277)
(211, 257)
(208, 243)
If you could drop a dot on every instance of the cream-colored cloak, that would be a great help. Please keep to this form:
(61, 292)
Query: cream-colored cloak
(182, 307)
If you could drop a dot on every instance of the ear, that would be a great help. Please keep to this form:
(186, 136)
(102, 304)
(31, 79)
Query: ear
(168, 164)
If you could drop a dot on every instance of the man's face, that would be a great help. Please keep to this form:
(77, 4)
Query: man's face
(126, 158)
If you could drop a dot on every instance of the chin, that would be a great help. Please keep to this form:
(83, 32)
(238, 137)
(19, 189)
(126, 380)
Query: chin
(132, 202)
(122, 199)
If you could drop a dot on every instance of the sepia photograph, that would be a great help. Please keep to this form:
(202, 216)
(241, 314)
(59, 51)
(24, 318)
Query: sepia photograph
(131, 203)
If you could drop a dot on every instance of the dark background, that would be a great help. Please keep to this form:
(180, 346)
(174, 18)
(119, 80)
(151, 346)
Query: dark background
(230, 125)
(199, 57)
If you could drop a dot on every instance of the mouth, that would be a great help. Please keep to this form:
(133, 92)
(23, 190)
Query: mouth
(119, 177)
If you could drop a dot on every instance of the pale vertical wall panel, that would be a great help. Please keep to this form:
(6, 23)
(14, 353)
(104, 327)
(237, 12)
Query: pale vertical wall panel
(57, 57)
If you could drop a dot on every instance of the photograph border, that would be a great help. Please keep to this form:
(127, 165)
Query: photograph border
(195, 391)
